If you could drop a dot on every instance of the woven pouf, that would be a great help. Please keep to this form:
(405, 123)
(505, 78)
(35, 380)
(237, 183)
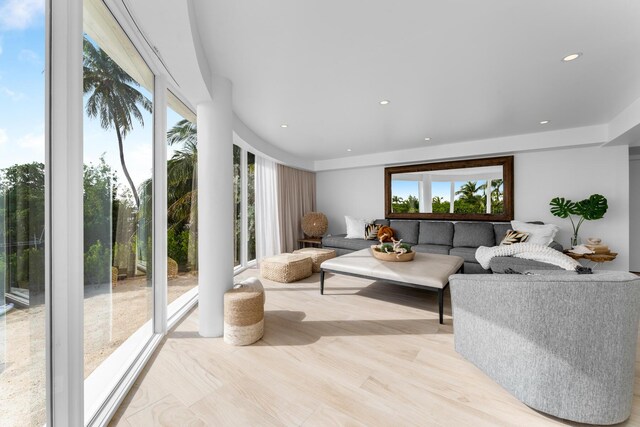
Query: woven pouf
(317, 256)
(286, 268)
(244, 313)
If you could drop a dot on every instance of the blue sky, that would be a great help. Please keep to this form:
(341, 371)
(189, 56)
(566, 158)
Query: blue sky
(22, 63)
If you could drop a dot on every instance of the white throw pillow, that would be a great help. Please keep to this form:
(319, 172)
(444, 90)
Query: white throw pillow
(355, 227)
(538, 234)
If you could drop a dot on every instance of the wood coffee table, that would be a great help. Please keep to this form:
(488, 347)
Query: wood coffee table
(426, 271)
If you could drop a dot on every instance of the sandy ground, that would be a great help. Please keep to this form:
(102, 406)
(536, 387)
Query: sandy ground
(110, 318)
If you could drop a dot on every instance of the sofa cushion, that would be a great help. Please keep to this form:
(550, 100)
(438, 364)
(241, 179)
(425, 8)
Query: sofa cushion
(500, 264)
(405, 230)
(473, 268)
(500, 230)
(339, 241)
(432, 249)
(468, 254)
(473, 234)
(381, 222)
(436, 233)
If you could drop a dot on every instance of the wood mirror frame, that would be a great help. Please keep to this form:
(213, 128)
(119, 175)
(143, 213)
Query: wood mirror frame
(507, 175)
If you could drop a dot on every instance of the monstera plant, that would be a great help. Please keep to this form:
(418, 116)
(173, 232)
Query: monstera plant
(588, 209)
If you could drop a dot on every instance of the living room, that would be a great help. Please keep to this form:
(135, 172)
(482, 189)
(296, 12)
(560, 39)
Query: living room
(460, 137)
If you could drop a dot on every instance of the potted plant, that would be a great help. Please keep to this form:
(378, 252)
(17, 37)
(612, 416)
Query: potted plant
(588, 209)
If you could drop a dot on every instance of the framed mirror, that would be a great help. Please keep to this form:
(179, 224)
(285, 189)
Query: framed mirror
(476, 190)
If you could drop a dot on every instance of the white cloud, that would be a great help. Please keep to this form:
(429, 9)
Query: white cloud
(32, 140)
(14, 96)
(29, 56)
(20, 14)
(3, 136)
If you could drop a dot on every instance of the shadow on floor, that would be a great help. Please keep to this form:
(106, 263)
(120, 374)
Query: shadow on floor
(284, 327)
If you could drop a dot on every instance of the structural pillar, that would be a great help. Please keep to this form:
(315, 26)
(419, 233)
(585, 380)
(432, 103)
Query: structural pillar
(215, 203)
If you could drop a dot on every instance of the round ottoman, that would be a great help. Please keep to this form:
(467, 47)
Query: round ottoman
(244, 313)
(317, 256)
(285, 268)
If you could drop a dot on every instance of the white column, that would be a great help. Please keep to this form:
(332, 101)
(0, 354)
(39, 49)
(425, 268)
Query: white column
(426, 198)
(487, 192)
(452, 195)
(160, 205)
(64, 217)
(215, 204)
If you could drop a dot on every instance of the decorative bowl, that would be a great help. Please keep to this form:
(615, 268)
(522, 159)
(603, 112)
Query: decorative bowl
(594, 240)
(391, 257)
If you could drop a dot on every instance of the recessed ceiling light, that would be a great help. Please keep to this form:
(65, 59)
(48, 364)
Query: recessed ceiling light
(284, 125)
(384, 102)
(427, 139)
(545, 122)
(572, 57)
(349, 149)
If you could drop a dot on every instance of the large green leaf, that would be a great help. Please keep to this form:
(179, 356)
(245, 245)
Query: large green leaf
(562, 207)
(592, 208)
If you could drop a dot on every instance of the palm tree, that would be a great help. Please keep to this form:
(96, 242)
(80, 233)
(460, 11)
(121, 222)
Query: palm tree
(113, 98)
(182, 180)
(182, 172)
(468, 192)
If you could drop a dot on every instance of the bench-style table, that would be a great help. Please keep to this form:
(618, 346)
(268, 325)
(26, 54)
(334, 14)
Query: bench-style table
(426, 271)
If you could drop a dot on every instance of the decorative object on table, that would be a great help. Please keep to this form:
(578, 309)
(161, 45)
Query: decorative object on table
(286, 268)
(385, 234)
(595, 253)
(514, 236)
(317, 256)
(314, 224)
(394, 252)
(594, 240)
(244, 313)
(588, 209)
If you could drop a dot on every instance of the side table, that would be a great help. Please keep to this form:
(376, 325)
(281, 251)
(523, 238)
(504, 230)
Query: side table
(310, 242)
(594, 258)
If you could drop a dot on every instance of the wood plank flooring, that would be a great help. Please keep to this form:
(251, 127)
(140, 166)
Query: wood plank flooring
(364, 354)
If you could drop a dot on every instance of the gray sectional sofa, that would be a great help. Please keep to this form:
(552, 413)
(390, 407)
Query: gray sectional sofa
(445, 237)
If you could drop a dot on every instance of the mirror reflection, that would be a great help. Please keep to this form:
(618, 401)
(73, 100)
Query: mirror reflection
(475, 190)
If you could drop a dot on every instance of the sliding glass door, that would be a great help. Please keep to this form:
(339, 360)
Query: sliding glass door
(244, 164)
(182, 199)
(22, 215)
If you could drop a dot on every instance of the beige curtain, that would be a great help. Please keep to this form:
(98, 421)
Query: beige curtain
(296, 197)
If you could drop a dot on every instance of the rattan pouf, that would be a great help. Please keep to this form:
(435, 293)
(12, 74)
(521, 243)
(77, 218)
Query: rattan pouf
(286, 268)
(317, 256)
(244, 313)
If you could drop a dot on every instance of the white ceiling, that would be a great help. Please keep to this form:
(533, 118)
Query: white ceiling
(453, 70)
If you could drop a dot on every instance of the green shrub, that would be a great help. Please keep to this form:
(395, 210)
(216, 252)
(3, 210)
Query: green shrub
(97, 265)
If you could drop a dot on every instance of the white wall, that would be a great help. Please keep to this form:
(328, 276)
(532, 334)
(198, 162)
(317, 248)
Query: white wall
(539, 176)
(576, 174)
(355, 192)
(634, 210)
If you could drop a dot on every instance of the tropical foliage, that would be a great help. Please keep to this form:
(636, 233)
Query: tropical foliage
(592, 208)
(113, 98)
(470, 198)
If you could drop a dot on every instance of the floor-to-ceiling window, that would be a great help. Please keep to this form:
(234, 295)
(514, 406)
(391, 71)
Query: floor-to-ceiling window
(251, 206)
(182, 199)
(22, 214)
(237, 205)
(118, 205)
(244, 243)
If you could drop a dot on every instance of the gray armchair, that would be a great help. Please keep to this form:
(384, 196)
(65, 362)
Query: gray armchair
(562, 343)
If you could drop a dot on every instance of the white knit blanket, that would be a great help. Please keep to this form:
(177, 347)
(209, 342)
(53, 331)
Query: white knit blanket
(526, 251)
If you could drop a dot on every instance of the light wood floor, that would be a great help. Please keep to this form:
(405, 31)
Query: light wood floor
(364, 354)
